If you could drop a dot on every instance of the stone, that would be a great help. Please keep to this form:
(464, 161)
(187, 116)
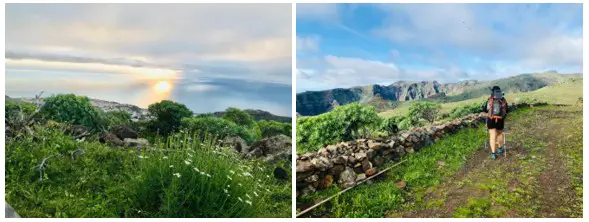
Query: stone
(77, 131)
(326, 182)
(270, 148)
(300, 177)
(374, 145)
(347, 178)
(322, 163)
(371, 171)
(409, 149)
(360, 177)
(236, 142)
(378, 161)
(110, 139)
(336, 170)
(312, 179)
(366, 165)
(123, 132)
(280, 173)
(136, 143)
(304, 166)
(360, 156)
(331, 148)
(401, 184)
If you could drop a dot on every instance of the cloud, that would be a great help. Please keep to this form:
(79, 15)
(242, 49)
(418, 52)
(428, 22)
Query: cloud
(307, 44)
(171, 36)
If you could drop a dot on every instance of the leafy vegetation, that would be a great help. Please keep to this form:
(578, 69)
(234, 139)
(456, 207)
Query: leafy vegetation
(341, 124)
(168, 116)
(186, 173)
(72, 109)
(425, 110)
(270, 128)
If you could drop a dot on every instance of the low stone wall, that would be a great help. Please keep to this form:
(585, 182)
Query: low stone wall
(346, 163)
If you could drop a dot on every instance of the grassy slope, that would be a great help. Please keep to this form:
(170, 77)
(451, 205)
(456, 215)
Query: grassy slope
(565, 92)
(436, 176)
(104, 181)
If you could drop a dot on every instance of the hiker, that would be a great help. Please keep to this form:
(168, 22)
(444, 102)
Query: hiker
(496, 109)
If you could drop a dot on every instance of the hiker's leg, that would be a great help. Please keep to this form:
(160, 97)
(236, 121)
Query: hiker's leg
(499, 138)
(493, 139)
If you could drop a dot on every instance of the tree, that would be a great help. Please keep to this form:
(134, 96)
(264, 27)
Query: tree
(425, 110)
(118, 117)
(238, 116)
(270, 128)
(168, 116)
(72, 109)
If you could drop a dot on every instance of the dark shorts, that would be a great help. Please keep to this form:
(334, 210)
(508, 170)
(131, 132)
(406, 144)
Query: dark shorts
(491, 124)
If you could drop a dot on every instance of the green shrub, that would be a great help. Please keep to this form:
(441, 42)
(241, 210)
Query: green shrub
(168, 116)
(69, 108)
(341, 124)
(425, 110)
(118, 117)
(243, 119)
(270, 128)
(12, 108)
(217, 127)
(461, 111)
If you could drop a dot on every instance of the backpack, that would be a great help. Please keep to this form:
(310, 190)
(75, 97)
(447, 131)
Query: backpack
(496, 106)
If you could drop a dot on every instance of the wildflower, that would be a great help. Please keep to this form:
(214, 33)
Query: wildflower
(228, 177)
(228, 185)
(267, 176)
(165, 157)
(232, 172)
(177, 175)
(171, 166)
(247, 174)
(256, 194)
(248, 202)
(226, 191)
(248, 196)
(142, 157)
(196, 169)
(259, 180)
(267, 190)
(240, 199)
(209, 175)
(239, 184)
(202, 173)
(187, 162)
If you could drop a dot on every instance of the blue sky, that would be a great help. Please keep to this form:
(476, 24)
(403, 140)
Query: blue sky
(345, 45)
(208, 56)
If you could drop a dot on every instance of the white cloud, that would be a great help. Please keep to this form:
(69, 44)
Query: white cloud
(307, 44)
(170, 34)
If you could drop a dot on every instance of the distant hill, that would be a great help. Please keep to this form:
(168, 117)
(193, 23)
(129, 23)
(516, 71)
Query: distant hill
(261, 115)
(387, 97)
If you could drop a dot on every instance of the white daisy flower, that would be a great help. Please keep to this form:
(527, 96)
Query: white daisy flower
(226, 191)
(187, 162)
(202, 173)
(248, 202)
(256, 194)
(209, 175)
(239, 184)
(196, 169)
(232, 172)
(240, 199)
(171, 166)
(247, 174)
(248, 196)
(177, 175)
(142, 157)
(165, 157)
(228, 177)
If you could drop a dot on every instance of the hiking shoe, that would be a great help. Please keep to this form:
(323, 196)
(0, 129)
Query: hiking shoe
(500, 150)
(493, 156)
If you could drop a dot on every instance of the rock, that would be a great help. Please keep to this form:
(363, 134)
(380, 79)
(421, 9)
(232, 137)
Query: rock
(347, 178)
(326, 182)
(123, 132)
(401, 184)
(279, 146)
(322, 163)
(371, 171)
(281, 174)
(110, 139)
(137, 143)
(360, 156)
(374, 145)
(331, 149)
(378, 161)
(307, 190)
(9, 212)
(312, 179)
(336, 170)
(360, 177)
(304, 166)
(236, 143)
(366, 165)
(409, 149)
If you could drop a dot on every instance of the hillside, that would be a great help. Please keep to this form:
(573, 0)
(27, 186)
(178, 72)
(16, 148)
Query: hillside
(261, 115)
(387, 97)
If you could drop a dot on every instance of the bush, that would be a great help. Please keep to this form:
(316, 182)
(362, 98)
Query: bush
(118, 117)
(243, 119)
(168, 116)
(341, 124)
(217, 127)
(461, 111)
(72, 109)
(270, 128)
(425, 110)
(12, 108)
(90, 179)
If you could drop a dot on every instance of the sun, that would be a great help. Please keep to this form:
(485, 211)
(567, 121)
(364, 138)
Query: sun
(163, 86)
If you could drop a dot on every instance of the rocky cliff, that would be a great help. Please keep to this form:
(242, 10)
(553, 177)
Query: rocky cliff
(384, 96)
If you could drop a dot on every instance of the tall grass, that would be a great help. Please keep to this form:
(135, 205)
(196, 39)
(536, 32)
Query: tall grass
(179, 176)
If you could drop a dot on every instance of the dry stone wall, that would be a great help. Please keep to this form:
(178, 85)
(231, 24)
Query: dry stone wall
(347, 163)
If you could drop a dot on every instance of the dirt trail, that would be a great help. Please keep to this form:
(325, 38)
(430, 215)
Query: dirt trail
(532, 181)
